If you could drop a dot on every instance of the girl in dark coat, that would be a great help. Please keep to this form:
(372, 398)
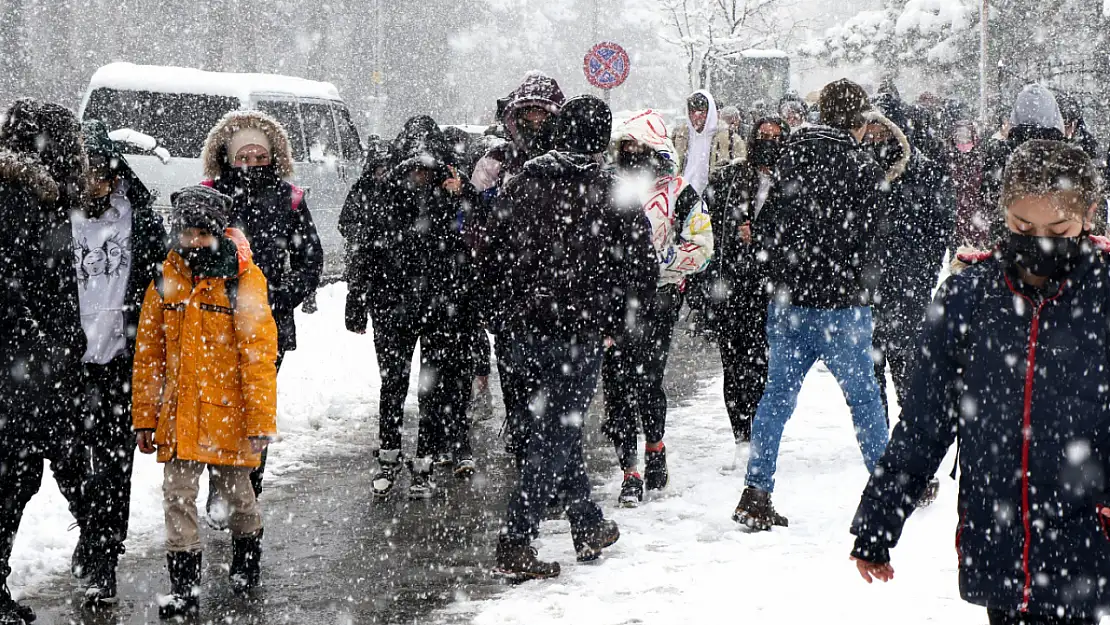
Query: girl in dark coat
(1013, 361)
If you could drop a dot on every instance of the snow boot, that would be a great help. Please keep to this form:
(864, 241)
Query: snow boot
(389, 465)
(80, 564)
(656, 476)
(632, 491)
(464, 465)
(756, 512)
(12, 613)
(102, 579)
(589, 542)
(422, 486)
(246, 562)
(184, 597)
(518, 561)
(932, 489)
(481, 401)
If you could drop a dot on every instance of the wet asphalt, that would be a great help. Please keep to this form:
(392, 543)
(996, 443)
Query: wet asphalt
(332, 554)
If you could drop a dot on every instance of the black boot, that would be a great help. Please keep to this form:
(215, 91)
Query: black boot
(588, 542)
(656, 476)
(12, 613)
(102, 578)
(246, 560)
(184, 598)
(81, 562)
(756, 512)
(517, 561)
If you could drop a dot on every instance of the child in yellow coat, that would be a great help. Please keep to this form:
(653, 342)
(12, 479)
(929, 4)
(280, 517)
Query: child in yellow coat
(205, 386)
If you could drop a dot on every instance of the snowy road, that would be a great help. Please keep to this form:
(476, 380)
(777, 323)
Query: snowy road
(333, 556)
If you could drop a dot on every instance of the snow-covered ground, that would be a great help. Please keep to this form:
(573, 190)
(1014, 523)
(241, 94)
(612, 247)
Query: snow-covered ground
(681, 559)
(328, 391)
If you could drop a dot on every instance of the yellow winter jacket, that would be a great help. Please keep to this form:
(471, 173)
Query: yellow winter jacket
(205, 377)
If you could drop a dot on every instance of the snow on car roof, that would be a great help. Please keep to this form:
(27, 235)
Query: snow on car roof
(164, 79)
(764, 54)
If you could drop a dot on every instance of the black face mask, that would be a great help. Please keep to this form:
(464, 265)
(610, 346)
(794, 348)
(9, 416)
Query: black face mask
(255, 179)
(1046, 257)
(200, 260)
(537, 140)
(99, 205)
(887, 153)
(636, 162)
(765, 152)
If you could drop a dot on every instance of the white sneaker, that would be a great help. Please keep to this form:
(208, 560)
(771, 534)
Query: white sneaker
(739, 459)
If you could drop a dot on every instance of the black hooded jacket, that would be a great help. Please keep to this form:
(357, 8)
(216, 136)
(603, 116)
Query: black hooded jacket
(41, 340)
(564, 260)
(411, 259)
(819, 231)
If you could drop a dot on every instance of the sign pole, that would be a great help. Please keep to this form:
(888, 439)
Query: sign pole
(984, 34)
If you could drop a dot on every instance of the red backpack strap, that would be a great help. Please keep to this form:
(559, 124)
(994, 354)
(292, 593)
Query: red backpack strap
(297, 196)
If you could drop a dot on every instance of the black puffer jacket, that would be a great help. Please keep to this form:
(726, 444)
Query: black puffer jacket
(819, 231)
(41, 341)
(564, 259)
(413, 262)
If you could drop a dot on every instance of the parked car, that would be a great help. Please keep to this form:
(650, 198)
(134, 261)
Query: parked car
(178, 106)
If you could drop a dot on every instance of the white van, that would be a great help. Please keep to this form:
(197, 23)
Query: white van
(178, 106)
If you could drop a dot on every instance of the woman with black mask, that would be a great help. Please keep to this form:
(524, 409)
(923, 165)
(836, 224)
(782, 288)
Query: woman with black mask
(247, 156)
(738, 302)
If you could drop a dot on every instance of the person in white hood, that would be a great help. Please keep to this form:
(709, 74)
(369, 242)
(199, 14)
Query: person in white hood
(683, 239)
(702, 143)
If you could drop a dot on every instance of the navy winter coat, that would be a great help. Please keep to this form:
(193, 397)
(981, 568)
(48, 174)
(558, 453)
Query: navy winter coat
(1018, 377)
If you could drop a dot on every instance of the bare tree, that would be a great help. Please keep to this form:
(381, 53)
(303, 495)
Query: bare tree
(710, 30)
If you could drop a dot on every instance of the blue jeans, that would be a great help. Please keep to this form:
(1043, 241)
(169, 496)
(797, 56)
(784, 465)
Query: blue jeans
(798, 338)
(559, 378)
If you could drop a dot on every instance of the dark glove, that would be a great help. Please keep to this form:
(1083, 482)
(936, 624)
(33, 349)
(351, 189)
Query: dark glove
(870, 551)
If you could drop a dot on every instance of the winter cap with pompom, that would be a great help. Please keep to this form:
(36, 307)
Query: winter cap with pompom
(1036, 106)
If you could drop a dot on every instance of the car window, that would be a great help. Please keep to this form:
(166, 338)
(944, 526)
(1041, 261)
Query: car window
(286, 114)
(179, 121)
(348, 134)
(319, 129)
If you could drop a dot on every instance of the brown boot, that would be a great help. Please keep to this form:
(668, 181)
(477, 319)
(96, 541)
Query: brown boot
(517, 561)
(756, 512)
(589, 542)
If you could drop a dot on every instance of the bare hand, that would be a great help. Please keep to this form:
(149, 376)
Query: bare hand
(746, 233)
(453, 185)
(609, 342)
(144, 439)
(870, 571)
(259, 444)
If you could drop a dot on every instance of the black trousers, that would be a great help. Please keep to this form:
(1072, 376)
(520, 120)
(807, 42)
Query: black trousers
(257, 474)
(445, 377)
(480, 352)
(1002, 617)
(21, 470)
(518, 426)
(632, 372)
(106, 455)
(742, 339)
(904, 299)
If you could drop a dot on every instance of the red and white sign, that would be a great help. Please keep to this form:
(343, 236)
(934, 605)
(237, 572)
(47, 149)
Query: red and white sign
(606, 65)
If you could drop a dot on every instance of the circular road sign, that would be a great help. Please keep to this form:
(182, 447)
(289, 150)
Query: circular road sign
(606, 65)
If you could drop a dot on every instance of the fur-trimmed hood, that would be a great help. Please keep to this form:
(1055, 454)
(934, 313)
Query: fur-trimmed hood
(25, 170)
(215, 157)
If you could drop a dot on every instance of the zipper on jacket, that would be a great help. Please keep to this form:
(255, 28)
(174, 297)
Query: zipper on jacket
(1027, 435)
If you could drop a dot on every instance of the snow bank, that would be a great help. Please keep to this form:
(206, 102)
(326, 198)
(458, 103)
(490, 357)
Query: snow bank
(681, 559)
(131, 77)
(327, 394)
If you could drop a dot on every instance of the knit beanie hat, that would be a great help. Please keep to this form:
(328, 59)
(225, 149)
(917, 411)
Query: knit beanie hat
(1036, 106)
(199, 207)
(584, 125)
(244, 137)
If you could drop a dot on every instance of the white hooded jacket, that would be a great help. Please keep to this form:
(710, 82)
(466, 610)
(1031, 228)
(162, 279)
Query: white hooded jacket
(685, 247)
